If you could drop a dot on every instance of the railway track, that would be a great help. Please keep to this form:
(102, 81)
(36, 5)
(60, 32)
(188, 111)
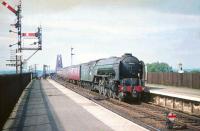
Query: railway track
(147, 115)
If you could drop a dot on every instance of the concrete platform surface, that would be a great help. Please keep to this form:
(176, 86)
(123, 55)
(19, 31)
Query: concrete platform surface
(178, 92)
(48, 106)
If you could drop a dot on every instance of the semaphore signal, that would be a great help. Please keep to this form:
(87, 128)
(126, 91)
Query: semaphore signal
(29, 34)
(9, 7)
(18, 26)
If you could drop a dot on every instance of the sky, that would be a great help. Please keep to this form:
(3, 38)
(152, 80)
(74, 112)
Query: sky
(152, 30)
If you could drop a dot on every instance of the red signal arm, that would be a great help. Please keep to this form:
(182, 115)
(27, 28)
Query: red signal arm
(9, 7)
(29, 34)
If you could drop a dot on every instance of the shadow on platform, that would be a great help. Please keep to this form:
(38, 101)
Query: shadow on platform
(32, 111)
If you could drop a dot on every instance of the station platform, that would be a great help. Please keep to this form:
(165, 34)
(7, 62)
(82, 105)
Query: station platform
(177, 92)
(48, 106)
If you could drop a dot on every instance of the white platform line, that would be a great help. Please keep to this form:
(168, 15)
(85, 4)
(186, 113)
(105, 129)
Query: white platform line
(111, 119)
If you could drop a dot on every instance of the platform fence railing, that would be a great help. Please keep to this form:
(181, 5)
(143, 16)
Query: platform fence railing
(189, 80)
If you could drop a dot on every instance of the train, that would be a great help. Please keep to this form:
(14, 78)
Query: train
(115, 77)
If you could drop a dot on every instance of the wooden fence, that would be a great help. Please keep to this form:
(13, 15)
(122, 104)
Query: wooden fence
(191, 80)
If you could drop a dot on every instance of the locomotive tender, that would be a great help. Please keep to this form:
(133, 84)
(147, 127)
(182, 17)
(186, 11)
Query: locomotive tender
(117, 77)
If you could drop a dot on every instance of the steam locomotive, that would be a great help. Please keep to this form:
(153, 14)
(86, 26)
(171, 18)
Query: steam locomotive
(116, 77)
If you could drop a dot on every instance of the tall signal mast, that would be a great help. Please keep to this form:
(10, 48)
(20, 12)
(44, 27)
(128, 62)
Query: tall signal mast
(18, 26)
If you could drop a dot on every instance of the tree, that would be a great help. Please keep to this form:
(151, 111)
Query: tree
(195, 71)
(159, 67)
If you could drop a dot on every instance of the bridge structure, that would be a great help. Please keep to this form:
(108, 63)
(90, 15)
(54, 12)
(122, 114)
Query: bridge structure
(59, 63)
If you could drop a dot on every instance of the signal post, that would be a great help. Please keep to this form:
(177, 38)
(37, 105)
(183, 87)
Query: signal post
(18, 26)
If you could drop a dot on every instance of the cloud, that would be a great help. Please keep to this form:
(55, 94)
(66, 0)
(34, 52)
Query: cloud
(168, 6)
(128, 22)
(128, 30)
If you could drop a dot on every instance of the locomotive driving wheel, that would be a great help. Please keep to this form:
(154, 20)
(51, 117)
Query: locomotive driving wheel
(110, 93)
(121, 99)
(105, 91)
(113, 95)
(100, 90)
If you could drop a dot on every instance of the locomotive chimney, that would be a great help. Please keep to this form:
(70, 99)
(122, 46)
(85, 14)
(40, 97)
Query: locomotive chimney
(127, 54)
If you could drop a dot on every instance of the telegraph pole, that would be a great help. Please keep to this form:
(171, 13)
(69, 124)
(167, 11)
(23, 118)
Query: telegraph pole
(71, 54)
